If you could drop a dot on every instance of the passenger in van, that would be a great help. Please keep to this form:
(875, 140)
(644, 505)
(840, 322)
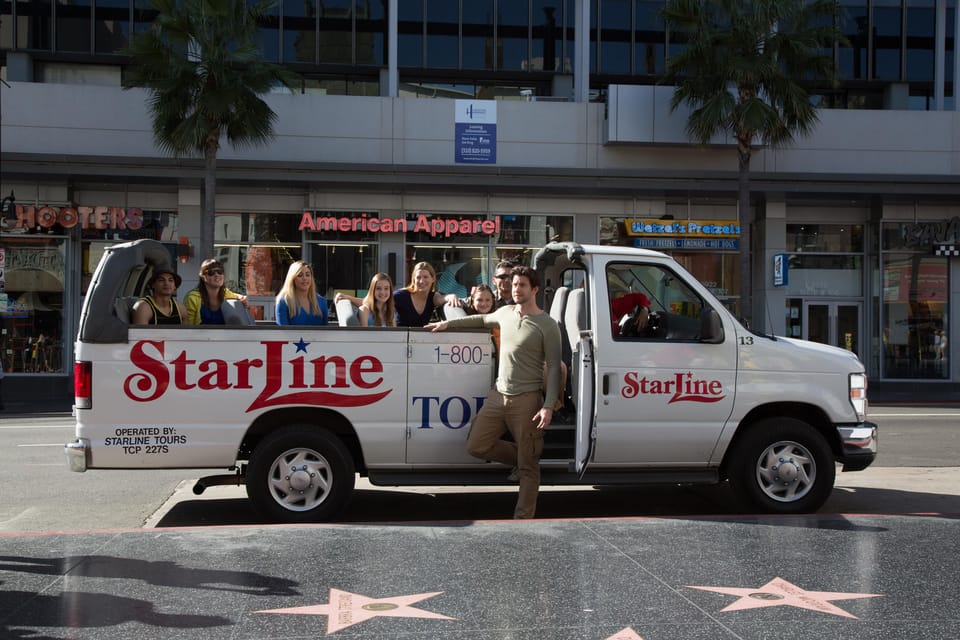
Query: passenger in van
(416, 302)
(481, 300)
(519, 403)
(205, 301)
(503, 281)
(298, 302)
(160, 307)
(377, 307)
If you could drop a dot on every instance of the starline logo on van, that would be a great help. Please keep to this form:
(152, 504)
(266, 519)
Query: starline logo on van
(682, 388)
(322, 381)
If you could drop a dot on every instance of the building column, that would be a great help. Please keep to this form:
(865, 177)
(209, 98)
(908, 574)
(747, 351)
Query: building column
(940, 54)
(581, 65)
(770, 303)
(392, 72)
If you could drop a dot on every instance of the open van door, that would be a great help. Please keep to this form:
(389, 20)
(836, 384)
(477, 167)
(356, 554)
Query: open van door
(586, 409)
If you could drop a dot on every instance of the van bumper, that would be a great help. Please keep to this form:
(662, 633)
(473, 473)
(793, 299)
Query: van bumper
(858, 444)
(78, 455)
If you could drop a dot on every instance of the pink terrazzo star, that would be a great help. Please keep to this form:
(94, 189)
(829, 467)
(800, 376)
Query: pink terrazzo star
(779, 592)
(625, 634)
(346, 609)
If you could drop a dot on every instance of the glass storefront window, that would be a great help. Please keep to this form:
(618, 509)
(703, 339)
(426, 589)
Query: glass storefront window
(31, 304)
(914, 316)
(535, 230)
(825, 238)
(346, 268)
(719, 271)
(459, 269)
(825, 275)
(256, 249)
(460, 266)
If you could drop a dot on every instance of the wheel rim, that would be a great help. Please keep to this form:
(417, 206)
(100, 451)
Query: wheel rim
(300, 479)
(786, 471)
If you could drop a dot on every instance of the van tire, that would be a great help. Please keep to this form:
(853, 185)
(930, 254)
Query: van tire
(782, 465)
(300, 474)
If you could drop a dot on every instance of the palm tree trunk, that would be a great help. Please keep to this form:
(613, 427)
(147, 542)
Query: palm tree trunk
(746, 244)
(209, 203)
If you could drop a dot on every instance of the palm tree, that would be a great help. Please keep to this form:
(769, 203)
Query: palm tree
(205, 74)
(745, 70)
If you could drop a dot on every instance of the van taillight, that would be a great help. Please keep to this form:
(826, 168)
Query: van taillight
(83, 385)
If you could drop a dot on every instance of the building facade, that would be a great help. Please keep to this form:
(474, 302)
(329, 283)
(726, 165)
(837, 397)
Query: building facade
(541, 130)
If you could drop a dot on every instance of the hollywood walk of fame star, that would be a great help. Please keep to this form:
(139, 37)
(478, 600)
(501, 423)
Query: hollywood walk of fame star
(625, 634)
(345, 609)
(779, 592)
(301, 346)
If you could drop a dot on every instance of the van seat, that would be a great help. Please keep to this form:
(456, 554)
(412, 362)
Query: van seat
(236, 313)
(450, 312)
(559, 303)
(347, 314)
(123, 308)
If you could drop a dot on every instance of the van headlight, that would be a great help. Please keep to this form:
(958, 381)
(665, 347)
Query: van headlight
(858, 394)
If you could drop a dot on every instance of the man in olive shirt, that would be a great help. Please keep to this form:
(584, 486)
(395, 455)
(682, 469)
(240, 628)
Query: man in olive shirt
(529, 337)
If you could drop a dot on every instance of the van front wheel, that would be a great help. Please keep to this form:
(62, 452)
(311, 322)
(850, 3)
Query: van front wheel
(300, 474)
(782, 465)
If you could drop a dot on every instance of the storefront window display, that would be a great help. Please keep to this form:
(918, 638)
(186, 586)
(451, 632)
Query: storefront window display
(258, 248)
(714, 261)
(916, 302)
(153, 224)
(466, 256)
(825, 284)
(32, 284)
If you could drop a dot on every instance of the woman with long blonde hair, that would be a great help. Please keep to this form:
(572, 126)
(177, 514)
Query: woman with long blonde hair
(416, 302)
(377, 309)
(298, 302)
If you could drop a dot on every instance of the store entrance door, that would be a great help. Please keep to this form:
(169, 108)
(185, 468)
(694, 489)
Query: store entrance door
(835, 323)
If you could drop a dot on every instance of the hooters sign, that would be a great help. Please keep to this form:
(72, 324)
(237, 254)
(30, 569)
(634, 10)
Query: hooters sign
(325, 381)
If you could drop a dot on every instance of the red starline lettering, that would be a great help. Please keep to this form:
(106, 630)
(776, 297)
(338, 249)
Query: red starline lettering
(682, 388)
(285, 382)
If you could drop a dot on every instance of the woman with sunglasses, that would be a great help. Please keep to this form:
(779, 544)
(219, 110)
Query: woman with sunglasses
(204, 303)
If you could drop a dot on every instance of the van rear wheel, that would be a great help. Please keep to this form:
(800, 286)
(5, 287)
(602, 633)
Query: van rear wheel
(782, 465)
(300, 474)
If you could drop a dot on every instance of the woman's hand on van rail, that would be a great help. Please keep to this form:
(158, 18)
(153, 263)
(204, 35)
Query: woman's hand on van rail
(436, 326)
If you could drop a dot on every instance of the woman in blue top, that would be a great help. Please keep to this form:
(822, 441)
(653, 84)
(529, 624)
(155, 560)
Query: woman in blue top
(298, 302)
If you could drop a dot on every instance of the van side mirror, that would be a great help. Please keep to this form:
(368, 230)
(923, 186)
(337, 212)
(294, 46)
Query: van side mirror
(711, 329)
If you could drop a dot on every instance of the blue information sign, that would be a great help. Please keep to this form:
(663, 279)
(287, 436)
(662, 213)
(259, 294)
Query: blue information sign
(475, 132)
(781, 264)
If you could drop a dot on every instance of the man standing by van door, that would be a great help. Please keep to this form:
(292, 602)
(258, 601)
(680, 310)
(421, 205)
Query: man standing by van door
(529, 337)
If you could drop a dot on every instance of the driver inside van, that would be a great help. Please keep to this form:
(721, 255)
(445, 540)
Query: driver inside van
(629, 313)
